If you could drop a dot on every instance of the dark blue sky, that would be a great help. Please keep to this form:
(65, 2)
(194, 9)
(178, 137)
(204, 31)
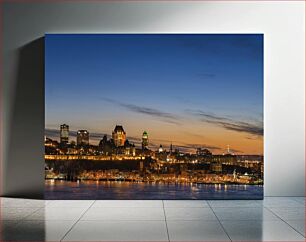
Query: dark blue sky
(94, 81)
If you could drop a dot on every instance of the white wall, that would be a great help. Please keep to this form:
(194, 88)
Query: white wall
(283, 25)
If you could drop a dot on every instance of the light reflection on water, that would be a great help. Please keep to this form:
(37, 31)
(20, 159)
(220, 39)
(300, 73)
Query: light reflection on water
(134, 190)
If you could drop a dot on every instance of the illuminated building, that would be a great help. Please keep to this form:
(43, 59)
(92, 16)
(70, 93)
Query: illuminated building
(64, 133)
(145, 140)
(119, 136)
(228, 152)
(105, 146)
(227, 159)
(130, 150)
(216, 167)
(141, 166)
(160, 150)
(51, 143)
(82, 137)
(203, 152)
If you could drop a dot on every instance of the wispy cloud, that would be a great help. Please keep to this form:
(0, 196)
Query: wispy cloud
(52, 133)
(230, 124)
(192, 147)
(163, 116)
(55, 134)
(182, 146)
(207, 75)
(195, 146)
(154, 143)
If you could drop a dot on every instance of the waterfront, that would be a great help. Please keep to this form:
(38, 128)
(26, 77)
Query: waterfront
(57, 189)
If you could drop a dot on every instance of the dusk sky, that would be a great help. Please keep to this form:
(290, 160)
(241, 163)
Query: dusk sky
(194, 90)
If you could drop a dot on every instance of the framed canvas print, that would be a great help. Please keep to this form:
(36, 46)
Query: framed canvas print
(154, 116)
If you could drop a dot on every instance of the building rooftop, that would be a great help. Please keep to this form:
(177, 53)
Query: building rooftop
(118, 128)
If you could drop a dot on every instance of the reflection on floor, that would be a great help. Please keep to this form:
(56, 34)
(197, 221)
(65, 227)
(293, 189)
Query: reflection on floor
(274, 219)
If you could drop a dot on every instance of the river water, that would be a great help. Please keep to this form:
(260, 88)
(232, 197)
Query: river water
(133, 190)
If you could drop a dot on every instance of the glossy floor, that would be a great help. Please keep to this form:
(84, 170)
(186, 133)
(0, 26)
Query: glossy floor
(274, 219)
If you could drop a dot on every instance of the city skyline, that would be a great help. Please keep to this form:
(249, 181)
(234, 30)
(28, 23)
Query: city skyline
(95, 138)
(189, 90)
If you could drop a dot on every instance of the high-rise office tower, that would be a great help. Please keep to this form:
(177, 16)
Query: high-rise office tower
(82, 137)
(64, 133)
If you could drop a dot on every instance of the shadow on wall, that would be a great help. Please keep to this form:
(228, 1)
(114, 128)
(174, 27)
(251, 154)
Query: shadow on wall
(27, 123)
